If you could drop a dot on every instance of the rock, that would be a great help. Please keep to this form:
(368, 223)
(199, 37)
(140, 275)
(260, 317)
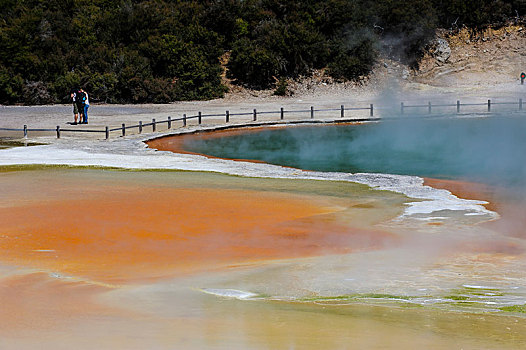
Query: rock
(442, 50)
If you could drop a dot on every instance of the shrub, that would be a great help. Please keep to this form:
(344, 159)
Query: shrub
(353, 61)
(252, 65)
(281, 87)
(10, 86)
(36, 93)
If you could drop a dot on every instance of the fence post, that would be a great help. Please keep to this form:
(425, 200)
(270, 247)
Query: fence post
(372, 110)
(311, 112)
(140, 127)
(489, 105)
(401, 108)
(58, 131)
(429, 107)
(25, 131)
(227, 116)
(107, 133)
(458, 106)
(123, 129)
(154, 125)
(169, 122)
(255, 115)
(342, 111)
(184, 119)
(199, 116)
(520, 104)
(282, 113)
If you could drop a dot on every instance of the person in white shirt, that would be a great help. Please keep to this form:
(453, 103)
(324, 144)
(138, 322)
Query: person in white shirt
(86, 106)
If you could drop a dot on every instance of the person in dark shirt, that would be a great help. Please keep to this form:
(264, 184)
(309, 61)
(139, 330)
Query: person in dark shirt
(75, 106)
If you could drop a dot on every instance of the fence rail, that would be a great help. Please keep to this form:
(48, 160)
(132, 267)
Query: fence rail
(255, 113)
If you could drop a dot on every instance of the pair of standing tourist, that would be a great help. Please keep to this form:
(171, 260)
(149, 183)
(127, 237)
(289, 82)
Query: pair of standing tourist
(80, 100)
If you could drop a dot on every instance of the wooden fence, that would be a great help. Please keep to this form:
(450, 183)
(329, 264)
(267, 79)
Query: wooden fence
(312, 112)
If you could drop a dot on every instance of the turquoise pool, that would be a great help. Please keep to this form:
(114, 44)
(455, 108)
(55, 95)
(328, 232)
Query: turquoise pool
(485, 149)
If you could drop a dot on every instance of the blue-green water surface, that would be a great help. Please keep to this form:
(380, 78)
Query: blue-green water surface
(485, 149)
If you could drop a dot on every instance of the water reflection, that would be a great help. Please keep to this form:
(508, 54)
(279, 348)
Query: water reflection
(6, 142)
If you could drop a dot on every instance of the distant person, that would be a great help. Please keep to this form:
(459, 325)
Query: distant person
(75, 106)
(80, 98)
(86, 106)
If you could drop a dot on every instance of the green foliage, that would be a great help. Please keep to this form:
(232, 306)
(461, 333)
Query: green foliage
(252, 64)
(353, 60)
(10, 86)
(478, 13)
(120, 51)
(65, 83)
(283, 39)
(160, 51)
(281, 87)
(102, 85)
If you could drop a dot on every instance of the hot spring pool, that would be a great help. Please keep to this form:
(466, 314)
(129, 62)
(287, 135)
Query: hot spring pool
(488, 150)
(203, 260)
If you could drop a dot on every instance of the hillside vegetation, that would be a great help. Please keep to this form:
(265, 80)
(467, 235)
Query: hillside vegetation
(161, 51)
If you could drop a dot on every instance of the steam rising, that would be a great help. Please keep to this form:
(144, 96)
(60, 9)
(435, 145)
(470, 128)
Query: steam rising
(490, 150)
